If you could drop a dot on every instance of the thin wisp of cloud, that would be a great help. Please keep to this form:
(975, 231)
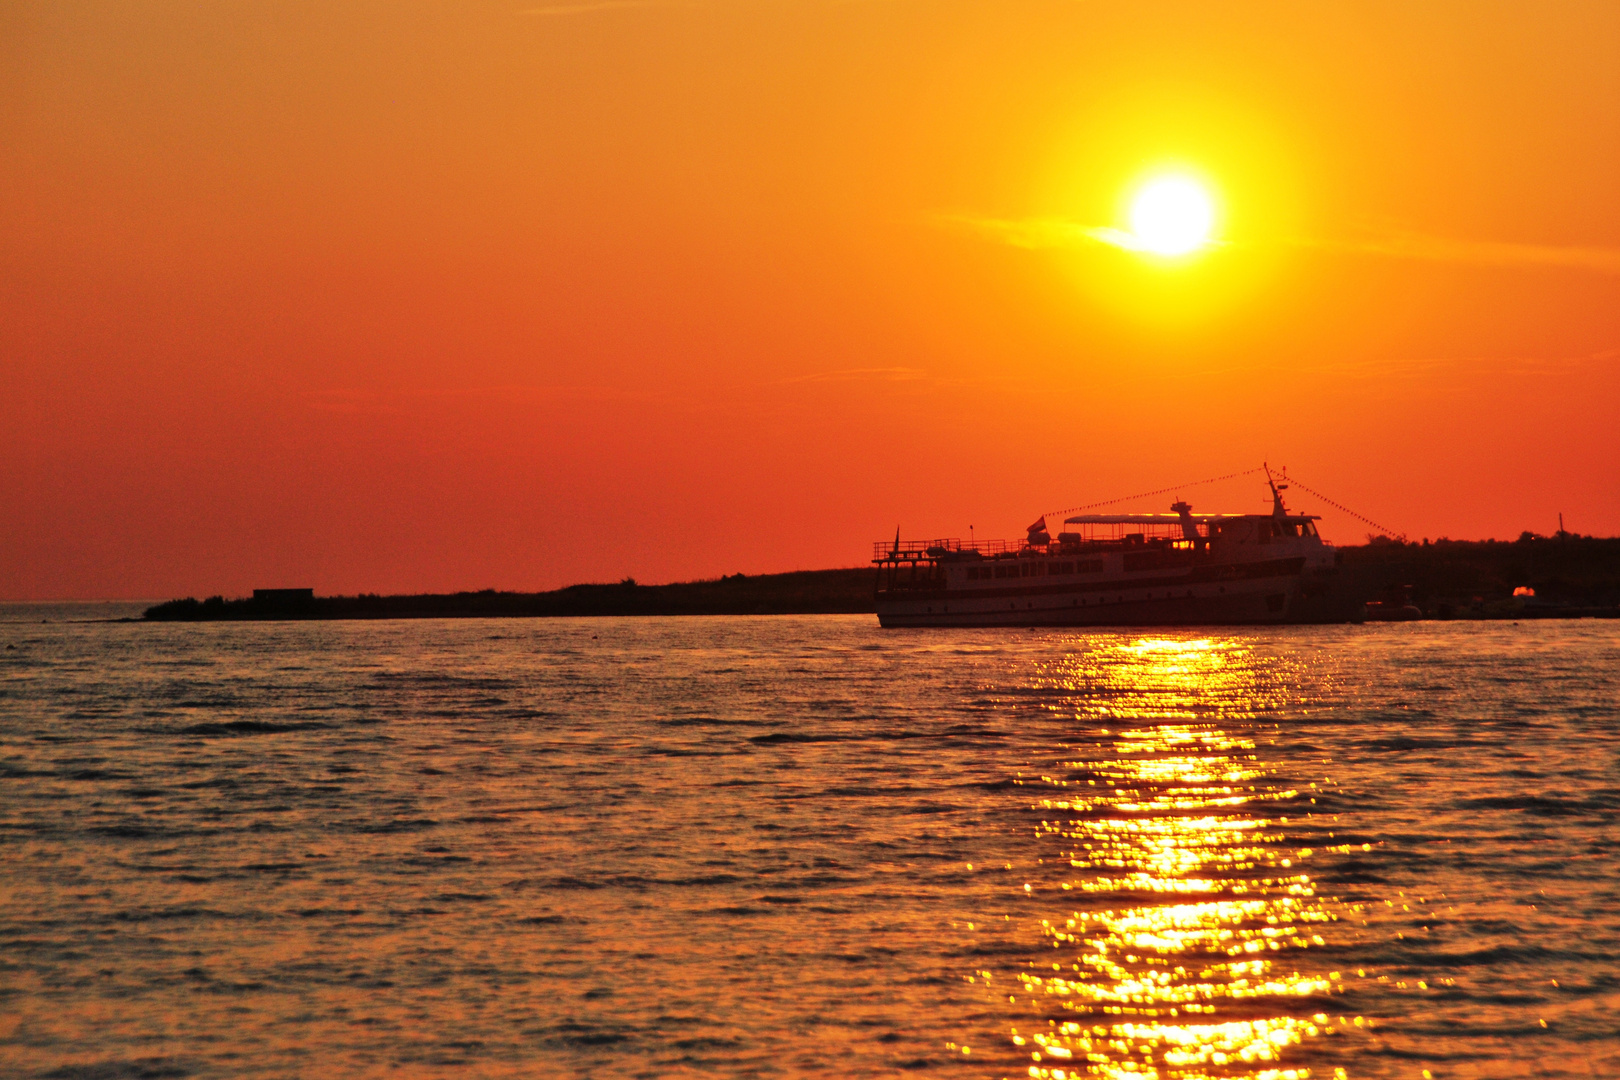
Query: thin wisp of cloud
(1044, 233)
(412, 400)
(1059, 233)
(1409, 245)
(592, 7)
(1403, 370)
(881, 374)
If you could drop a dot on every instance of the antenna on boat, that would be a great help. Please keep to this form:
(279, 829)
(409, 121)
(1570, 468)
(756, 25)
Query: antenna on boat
(1277, 508)
(896, 540)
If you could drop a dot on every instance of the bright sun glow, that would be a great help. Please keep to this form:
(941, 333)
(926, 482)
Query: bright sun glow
(1172, 216)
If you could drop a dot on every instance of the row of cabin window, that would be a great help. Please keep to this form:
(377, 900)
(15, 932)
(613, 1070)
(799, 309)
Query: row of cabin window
(1030, 568)
(1267, 530)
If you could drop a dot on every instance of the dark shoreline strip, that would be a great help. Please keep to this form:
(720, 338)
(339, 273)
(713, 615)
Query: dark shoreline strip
(1574, 577)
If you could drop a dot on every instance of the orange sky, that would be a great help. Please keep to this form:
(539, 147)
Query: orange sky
(425, 296)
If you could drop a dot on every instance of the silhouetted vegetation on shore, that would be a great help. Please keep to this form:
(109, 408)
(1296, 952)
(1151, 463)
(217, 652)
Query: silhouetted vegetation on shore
(799, 593)
(1570, 575)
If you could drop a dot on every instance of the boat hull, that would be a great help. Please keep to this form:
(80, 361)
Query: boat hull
(1287, 595)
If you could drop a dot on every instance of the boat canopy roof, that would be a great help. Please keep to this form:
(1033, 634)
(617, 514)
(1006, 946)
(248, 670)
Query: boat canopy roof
(1166, 519)
(1142, 519)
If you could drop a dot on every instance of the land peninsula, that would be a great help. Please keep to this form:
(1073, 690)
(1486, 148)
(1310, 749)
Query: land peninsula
(1560, 576)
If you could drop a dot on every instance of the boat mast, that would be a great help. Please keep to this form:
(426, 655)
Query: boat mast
(1277, 508)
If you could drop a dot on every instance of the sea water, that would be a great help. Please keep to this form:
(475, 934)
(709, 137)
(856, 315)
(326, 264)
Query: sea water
(806, 847)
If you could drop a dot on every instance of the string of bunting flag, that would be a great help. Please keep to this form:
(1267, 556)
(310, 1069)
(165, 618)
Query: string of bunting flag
(1157, 491)
(1345, 509)
(1283, 476)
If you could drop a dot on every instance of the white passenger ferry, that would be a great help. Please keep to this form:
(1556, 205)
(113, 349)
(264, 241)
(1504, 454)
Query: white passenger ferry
(1179, 568)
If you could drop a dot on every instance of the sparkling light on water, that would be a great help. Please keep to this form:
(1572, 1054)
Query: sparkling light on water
(702, 848)
(1190, 901)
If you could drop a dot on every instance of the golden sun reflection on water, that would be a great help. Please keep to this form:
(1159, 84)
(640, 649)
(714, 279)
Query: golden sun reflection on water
(1174, 963)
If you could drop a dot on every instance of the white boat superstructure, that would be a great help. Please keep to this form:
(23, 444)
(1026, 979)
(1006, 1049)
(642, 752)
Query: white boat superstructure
(1111, 569)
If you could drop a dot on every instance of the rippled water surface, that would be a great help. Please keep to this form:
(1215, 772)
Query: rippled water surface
(807, 847)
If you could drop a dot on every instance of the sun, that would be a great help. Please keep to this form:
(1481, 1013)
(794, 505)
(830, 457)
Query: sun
(1172, 215)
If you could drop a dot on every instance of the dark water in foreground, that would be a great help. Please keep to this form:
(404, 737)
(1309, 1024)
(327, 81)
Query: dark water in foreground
(806, 846)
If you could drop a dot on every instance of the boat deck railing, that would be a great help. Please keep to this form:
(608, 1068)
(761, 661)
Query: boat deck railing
(914, 551)
(919, 550)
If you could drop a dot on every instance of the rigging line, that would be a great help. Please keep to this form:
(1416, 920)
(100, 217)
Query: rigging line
(1146, 494)
(1369, 521)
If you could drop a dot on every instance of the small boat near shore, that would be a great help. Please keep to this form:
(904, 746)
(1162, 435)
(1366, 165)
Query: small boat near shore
(1396, 606)
(1173, 569)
